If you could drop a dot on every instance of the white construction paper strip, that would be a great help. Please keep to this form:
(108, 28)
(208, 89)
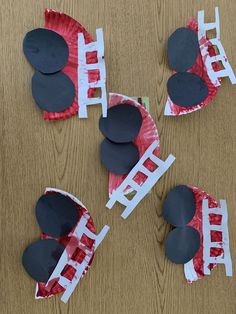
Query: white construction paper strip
(189, 271)
(208, 244)
(202, 29)
(83, 68)
(141, 190)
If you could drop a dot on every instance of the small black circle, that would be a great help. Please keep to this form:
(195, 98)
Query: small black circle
(53, 92)
(56, 214)
(46, 50)
(41, 257)
(118, 158)
(186, 89)
(179, 206)
(182, 244)
(122, 124)
(183, 49)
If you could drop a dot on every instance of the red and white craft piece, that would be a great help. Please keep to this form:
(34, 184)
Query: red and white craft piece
(141, 189)
(69, 29)
(84, 84)
(210, 60)
(146, 136)
(200, 69)
(80, 246)
(210, 220)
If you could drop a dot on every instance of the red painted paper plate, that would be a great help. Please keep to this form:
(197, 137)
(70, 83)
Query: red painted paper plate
(69, 272)
(69, 28)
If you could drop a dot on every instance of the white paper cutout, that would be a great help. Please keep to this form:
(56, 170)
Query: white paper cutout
(141, 190)
(80, 229)
(202, 29)
(189, 271)
(207, 244)
(83, 68)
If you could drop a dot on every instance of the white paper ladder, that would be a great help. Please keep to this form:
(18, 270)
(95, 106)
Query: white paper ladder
(202, 29)
(141, 190)
(208, 244)
(69, 285)
(83, 68)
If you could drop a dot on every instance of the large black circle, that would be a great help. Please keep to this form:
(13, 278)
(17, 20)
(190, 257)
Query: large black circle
(122, 124)
(186, 89)
(56, 214)
(182, 244)
(53, 92)
(41, 257)
(179, 206)
(46, 51)
(118, 158)
(183, 49)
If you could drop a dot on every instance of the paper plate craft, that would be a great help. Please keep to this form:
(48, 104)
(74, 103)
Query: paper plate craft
(196, 65)
(67, 246)
(137, 126)
(69, 65)
(128, 126)
(200, 238)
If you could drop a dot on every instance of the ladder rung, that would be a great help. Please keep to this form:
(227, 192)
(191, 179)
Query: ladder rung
(93, 66)
(216, 228)
(94, 101)
(97, 84)
(72, 263)
(63, 281)
(156, 160)
(217, 245)
(216, 260)
(144, 170)
(135, 185)
(91, 47)
(123, 200)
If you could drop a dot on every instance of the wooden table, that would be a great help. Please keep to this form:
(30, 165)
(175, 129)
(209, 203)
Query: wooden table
(130, 274)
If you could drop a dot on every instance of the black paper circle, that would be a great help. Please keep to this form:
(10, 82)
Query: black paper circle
(183, 49)
(186, 89)
(182, 244)
(179, 206)
(41, 257)
(53, 92)
(56, 214)
(118, 158)
(46, 51)
(122, 124)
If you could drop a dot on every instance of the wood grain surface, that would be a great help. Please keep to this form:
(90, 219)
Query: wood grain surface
(130, 274)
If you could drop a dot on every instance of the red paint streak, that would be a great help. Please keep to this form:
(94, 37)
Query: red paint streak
(51, 283)
(199, 68)
(69, 28)
(147, 135)
(68, 272)
(196, 222)
(70, 248)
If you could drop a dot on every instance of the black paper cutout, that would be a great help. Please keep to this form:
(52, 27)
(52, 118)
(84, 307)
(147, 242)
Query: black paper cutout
(118, 158)
(186, 89)
(41, 257)
(56, 214)
(183, 49)
(46, 50)
(180, 206)
(122, 124)
(53, 92)
(182, 244)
